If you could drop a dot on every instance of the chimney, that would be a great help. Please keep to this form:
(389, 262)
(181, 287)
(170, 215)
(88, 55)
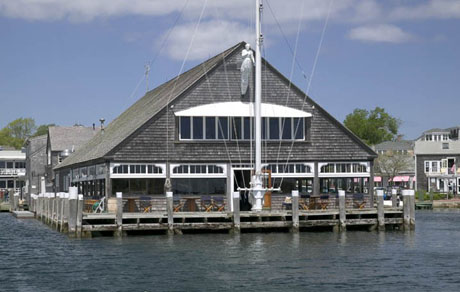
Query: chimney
(102, 120)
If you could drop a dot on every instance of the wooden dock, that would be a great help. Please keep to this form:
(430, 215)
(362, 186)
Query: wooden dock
(64, 212)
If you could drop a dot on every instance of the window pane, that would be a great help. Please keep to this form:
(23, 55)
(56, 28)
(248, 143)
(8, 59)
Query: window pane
(9, 165)
(2, 164)
(2, 184)
(274, 128)
(287, 127)
(236, 128)
(223, 128)
(211, 128)
(264, 128)
(198, 128)
(247, 128)
(298, 128)
(185, 128)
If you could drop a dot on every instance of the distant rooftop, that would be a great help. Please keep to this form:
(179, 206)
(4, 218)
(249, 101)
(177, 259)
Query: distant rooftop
(62, 138)
(395, 145)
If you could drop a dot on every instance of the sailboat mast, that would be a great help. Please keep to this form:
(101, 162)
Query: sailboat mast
(258, 93)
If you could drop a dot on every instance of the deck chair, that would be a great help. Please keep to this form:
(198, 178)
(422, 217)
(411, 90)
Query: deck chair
(303, 202)
(358, 201)
(145, 204)
(324, 201)
(178, 206)
(206, 203)
(219, 203)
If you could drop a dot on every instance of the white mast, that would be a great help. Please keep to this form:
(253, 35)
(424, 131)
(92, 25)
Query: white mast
(258, 191)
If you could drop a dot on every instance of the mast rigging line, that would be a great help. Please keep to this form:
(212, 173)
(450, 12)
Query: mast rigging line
(290, 77)
(311, 76)
(177, 78)
(166, 38)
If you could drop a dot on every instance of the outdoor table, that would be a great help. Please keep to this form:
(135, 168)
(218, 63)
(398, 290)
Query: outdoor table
(190, 203)
(131, 203)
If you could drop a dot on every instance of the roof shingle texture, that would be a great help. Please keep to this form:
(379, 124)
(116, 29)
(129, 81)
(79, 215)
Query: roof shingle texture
(141, 112)
(62, 138)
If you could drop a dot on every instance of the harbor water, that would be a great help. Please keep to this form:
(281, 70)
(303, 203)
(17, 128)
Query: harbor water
(33, 257)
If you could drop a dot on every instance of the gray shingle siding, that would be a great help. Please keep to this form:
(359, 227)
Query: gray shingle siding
(422, 178)
(328, 140)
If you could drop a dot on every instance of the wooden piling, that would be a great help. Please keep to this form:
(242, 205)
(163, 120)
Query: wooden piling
(295, 210)
(412, 209)
(38, 206)
(119, 215)
(394, 198)
(342, 211)
(79, 215)
(380, 211)
(64, 199)
(170, 210)
(66, 214)
(16, 202)
(52, 209)
(236, 212)
(406, 209)
(72, 219)
(58, 210)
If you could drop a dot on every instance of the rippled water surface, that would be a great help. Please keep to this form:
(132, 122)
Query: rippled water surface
(36, 258)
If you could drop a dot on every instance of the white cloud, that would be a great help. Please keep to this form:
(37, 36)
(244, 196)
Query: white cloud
(212, 37)
(380, 33)
(440, 9)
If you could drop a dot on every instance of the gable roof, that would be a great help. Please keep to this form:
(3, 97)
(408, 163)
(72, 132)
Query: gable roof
(341, 126)
(62, 138)
(395, 145)
(143, 110)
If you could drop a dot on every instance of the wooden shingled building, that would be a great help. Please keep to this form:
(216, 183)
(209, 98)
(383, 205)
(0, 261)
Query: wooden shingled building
(196, 130)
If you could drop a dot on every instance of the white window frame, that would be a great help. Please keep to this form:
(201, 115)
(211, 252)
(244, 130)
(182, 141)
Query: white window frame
(138, 175)
(430, 166)
(277, 174)
(344, 174)
(198, 175)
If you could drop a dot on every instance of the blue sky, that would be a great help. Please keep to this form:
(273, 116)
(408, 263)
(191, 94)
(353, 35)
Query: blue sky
(68, 62)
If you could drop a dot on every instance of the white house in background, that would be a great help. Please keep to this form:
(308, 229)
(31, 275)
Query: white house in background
(12, 169)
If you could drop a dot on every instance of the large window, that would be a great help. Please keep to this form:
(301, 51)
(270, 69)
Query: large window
(240, 128)
(349, 185)
(198, 169)
(137, 169)
(138, 186)
(344, 168)
(199, 186)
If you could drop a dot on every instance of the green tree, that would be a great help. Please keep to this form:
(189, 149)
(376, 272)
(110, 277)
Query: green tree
(391, 164)
(42, 130)
(373, 127)
(21, 128)
(15, 133)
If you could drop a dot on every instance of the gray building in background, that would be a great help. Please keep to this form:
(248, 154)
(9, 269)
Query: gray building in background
(35, 163)
(437, 153)
(405, 150)
(62, 142)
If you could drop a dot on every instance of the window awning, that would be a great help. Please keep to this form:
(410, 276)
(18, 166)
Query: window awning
(241, 109)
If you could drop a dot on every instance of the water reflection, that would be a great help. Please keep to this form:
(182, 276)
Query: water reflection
(34, 256)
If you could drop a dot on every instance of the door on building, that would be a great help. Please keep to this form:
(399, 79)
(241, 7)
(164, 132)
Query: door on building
(458, 185)
(242, 179)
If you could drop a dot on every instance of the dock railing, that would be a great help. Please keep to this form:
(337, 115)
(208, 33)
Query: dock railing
(65, 213)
